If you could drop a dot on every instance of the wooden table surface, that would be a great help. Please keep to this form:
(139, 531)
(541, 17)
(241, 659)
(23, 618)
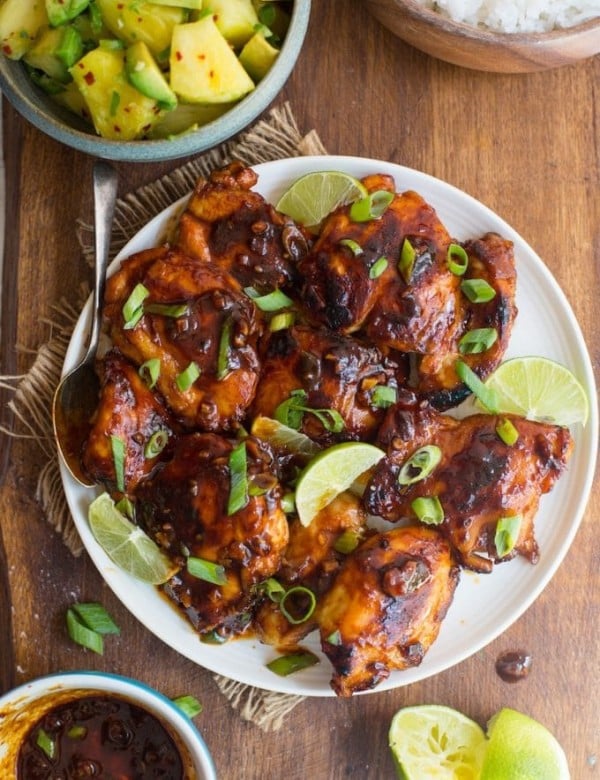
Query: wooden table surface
(529, 148)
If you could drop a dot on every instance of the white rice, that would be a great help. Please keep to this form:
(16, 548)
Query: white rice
(517, 15)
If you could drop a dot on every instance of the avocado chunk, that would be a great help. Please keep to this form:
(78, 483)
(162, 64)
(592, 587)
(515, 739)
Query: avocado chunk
(118, 110)
(20, 22)
(62, 11)
(55, 51)
(236, 19)
(204, 69)
(186, 118)
(145, 75)
(258, 57)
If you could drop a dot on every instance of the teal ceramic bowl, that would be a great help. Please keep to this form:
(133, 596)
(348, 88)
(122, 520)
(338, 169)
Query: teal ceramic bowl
(60, 124)
(24, 707)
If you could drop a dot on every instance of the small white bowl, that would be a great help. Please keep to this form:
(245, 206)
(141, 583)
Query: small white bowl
(24, 706)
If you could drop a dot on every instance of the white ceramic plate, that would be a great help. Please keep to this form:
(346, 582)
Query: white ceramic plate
(484, 605)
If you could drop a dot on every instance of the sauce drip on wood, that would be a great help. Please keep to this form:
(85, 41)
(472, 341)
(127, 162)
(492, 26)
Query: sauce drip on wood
(514, 665)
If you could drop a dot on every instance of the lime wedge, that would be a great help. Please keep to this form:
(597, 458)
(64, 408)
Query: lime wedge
(539, 389)
(431, 741)
(521, 747)
(279, 435)
(126, 544)
(315, 195)
(330, 473)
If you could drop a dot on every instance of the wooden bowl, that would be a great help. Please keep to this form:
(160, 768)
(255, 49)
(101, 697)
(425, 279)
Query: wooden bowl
(473, 47)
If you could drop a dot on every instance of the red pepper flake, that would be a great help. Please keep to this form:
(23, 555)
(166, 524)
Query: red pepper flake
(147, 127)
(116, 128)
(202, 57)
(211, 74)
(89, 78)
(178, 55)
(120, 6)
(7, 50)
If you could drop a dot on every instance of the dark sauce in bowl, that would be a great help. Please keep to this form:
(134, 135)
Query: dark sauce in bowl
(101, 736)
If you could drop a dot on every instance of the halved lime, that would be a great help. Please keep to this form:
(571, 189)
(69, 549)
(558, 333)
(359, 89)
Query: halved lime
(539, 389)
(279, 435)
(520, 747)
(126, 544)
(315, 195)
(330, 473)
(432, 741)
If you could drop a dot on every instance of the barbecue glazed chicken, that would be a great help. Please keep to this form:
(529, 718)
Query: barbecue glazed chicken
(184, 508)
(385, 606)
(243, 322)
(489, 491)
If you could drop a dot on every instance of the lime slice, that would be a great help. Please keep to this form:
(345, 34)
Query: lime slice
(432, 741)
(279, 435)
(330, 473)
(126, 544)
(520, 747)
(539, 389)
(315, 195)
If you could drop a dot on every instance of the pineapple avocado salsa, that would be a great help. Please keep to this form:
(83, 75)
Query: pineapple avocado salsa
(135, 69)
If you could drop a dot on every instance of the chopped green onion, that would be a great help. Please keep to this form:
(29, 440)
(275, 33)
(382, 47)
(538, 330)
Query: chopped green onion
(187, 377)
(273, 301)
(115, 100)
(125, 507)
(406, 264)
(77, 732)
(281, 321)
(173, 310)
(477, 290)
(291, 411)
(82, 635)
(93, 616)
(298, 590)
(288, 664)
(477, 340)
(133, 308)
(373, 206)
(330, 419)
(457, 259)
(213, 638)
(383, 396)
(156, 444)
(428, 509)
(288, 503)
(487, 396)
(507, 534)
(267, 15)
(352, 245)
(238, 490)
(272, 588)
(206, 570)
(224, 347)
(150, 371)
(347, 541)
(117, 446)
(96, 21)
(45, 743)
(189, 705)
(420, 464)
(507, 432)
(335, 638)
(378, 268)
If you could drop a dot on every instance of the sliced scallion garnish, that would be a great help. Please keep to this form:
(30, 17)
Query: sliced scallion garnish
(281, 321)
(45, 743)
(507, 534)
(383, 396)
(156, 444)
(373, 206)
(288, 664)
(150, 371)
(126, 507)
(206, 570)
(173, 310)
(95, 617)
(477, 340)
(457, 259)
(428, 509)
(288, 503)
(347, 541)
(273, 301)
(133, 308)
(477, 290)
(223, 367)
(187, 377)
(291, 596)
(487, 396)
(335, 638)
(507, 432)
(420, 464)
(77, 732)
(82, 635)
(406, 264)
(115, 100)
(352, 245)
(378, 267)
(272, 588)
(238, 488)
(213, 637)
(291, 411)
(117, 446)
(188, 704)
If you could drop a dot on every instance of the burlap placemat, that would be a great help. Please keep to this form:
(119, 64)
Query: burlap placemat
(275, 137)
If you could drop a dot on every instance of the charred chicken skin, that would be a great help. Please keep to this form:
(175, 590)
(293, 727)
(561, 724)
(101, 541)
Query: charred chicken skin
(479, 481)
(215, 329)
(385, 606)
(184, 508)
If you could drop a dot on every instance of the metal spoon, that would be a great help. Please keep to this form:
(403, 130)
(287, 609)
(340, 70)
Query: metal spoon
(76, 396)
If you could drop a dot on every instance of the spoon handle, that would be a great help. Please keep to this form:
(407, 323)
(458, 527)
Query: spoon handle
(105, 195)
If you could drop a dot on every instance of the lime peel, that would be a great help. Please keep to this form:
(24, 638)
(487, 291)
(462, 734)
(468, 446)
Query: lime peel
(315, 195)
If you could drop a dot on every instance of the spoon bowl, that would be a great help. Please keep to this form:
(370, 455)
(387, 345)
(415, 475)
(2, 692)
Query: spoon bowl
(77, 393)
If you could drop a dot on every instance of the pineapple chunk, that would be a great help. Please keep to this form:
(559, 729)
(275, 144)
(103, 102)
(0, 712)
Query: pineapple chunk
(20, 22)
(236, 19)
(117, 109)
(142, 21)
(186, 118)
(258, 56)
(55, 51)
(204, 69)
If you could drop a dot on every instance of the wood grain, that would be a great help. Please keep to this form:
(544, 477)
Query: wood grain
(527, 146)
